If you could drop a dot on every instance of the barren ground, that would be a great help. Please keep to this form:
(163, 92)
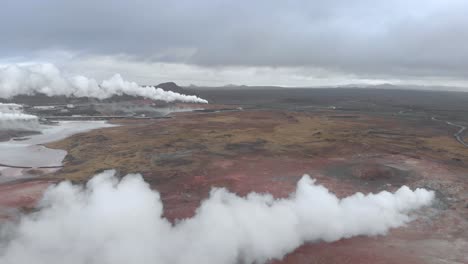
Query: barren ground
(268, 151)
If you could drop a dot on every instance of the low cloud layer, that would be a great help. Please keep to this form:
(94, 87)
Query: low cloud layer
(367, 38)
(110, 222)
(48, 79)
(13, 118)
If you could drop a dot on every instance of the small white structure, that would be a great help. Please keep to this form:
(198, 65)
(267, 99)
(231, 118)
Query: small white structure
(44, 107)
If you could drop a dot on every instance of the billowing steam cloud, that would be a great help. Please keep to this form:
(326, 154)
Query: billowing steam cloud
(112, 222)
(10, 108)
(13, 118)
(49, 80)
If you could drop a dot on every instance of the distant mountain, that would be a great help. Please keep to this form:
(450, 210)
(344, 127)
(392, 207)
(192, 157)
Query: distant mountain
(192, 86)
(384, 86)
(241, 86)
(234, 87)
(389, 86)
(170, 86)
(420, 87)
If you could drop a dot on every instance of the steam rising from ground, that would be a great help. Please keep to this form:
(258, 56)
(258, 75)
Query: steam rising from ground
(126, 108)
(13, 118)
(49, 80)
(110, 221)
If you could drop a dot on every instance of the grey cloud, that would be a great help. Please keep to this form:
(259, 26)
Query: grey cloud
(364, 37)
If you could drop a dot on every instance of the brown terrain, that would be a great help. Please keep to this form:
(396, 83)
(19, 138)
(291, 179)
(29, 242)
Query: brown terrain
(268, 151)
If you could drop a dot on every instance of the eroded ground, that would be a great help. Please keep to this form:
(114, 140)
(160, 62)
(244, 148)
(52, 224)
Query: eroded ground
(268, 151)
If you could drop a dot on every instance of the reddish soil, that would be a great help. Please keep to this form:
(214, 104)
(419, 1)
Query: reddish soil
(269, 151)
(440, 233)
(20, 195)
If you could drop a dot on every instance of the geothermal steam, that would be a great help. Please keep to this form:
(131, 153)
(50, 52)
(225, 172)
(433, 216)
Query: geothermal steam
(13, 118)
(110, 222)
(48, 79)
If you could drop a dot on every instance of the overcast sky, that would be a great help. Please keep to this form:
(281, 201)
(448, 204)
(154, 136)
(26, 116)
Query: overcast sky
(216, 42)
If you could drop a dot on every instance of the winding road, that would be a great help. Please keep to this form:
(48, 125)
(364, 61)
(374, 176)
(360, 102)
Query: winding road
(459, 135)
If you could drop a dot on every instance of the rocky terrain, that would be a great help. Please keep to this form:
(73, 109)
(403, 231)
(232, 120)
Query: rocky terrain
(267, 147)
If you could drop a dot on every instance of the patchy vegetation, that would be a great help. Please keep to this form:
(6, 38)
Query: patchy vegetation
(188, 143)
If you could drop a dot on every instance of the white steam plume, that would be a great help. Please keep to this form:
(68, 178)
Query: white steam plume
(112, 222)
(49, 80)
(13, 118)
(10, 108)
